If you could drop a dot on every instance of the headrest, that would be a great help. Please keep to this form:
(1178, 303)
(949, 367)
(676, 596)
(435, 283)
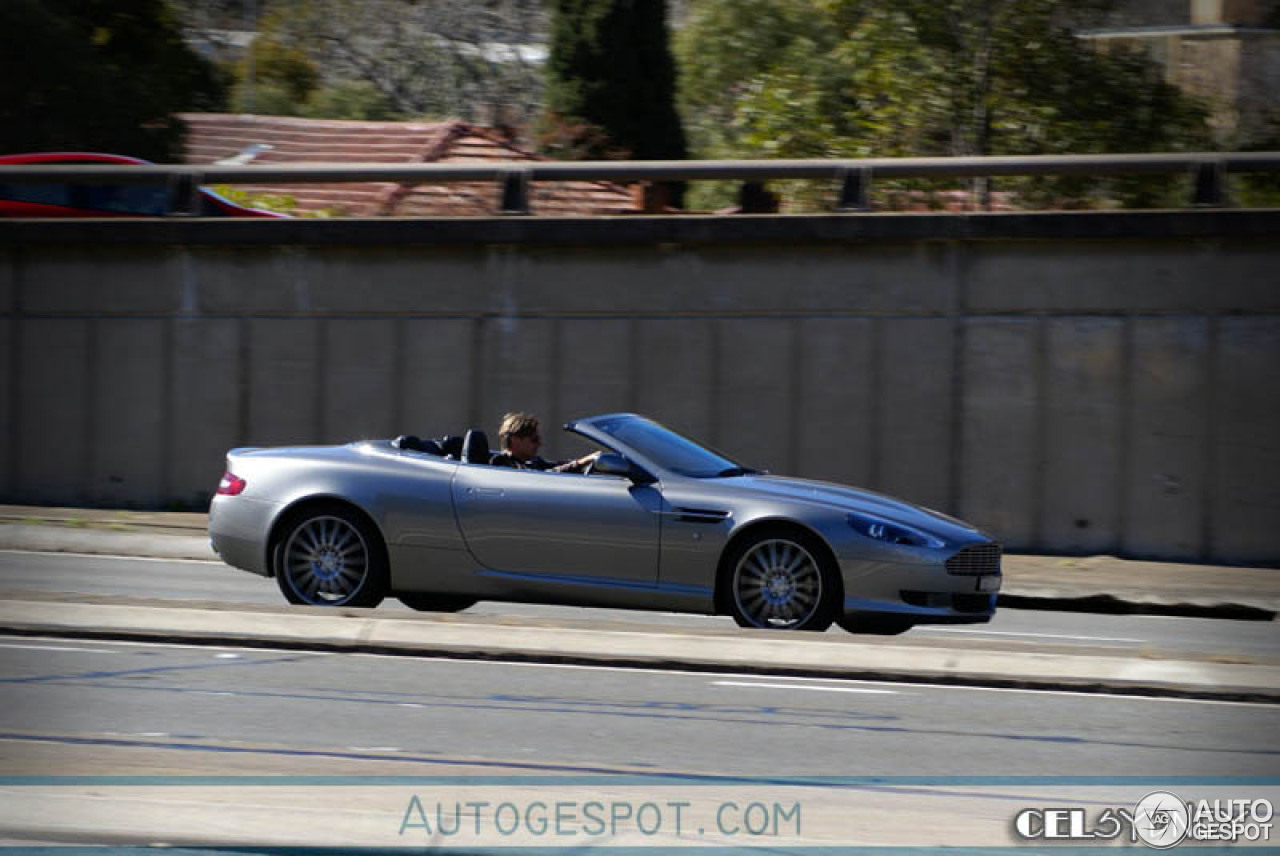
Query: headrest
(475, 447)
(407, 442)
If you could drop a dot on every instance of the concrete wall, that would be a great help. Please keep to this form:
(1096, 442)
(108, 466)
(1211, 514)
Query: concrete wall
(1074, 394)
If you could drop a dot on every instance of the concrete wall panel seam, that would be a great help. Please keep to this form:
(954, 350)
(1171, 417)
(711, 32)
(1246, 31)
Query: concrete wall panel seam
(92, 369)
(320, 409)
(1209, 504)
(875, 448)
(795, 400)
(1040, 421)
(1124, 470)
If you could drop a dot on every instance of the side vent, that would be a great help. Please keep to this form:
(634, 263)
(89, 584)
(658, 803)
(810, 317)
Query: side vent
(697, 515)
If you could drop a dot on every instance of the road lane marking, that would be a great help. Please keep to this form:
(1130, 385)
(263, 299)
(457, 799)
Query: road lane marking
(826, 689)
(1031, 635)
(180, 646)
(469, 663)
(59, 648)
(110, 556)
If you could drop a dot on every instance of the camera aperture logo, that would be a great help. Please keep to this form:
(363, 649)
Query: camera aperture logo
(1160, 820)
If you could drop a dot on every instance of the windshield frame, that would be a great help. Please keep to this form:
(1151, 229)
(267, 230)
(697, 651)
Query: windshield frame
(605, 430)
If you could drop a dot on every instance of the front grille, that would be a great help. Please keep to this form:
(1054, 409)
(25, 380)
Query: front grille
(976, 560)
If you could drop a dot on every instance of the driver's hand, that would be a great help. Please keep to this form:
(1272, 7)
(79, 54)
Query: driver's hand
(578, 465)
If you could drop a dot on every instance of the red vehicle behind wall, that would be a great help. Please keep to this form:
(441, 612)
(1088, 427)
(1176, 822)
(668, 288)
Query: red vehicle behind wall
(63, 199)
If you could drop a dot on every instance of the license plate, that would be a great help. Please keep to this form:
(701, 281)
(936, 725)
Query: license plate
(991, 583)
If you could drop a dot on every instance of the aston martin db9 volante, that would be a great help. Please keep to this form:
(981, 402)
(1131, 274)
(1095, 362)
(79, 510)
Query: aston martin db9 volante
(657, 522)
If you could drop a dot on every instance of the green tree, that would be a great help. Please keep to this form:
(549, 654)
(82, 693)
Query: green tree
(104, 75)
(349, 99)
(476, 60)
(275, 76)
(859, 78)
(611, 82)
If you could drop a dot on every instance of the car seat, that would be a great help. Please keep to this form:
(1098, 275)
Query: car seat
(475, 447)
(452, 446)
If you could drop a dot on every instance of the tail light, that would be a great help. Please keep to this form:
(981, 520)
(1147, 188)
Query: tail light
(231, 484)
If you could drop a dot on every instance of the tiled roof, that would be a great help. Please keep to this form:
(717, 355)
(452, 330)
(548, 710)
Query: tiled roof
(214, 136)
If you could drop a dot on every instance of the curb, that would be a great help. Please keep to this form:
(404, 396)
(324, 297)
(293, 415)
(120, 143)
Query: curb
(631, 646)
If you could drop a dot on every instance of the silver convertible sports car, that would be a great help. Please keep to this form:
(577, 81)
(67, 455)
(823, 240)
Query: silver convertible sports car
(657, 522)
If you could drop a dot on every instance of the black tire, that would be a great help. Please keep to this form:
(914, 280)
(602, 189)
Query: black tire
(870, 624)
(330, 556)
(436, 602)
(781, 579)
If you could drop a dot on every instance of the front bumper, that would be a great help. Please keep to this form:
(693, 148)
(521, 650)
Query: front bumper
(926, 593)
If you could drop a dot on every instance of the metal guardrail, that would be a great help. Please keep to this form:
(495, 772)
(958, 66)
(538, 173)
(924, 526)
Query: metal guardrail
(1209, 170)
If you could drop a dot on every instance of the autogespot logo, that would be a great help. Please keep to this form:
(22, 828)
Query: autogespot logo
(1161, 819)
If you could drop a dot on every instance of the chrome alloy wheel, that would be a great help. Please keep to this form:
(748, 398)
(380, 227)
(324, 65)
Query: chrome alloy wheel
(326, 560)
(777, 584)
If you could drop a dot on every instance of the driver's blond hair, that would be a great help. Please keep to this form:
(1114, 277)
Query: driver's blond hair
(515, 424)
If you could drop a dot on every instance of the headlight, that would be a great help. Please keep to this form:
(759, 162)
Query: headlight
(892, 533)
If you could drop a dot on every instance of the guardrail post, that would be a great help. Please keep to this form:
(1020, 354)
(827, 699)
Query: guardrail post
(184, 199)
(515, 192)
(755, 198)
(855, 189)
(1210, 184)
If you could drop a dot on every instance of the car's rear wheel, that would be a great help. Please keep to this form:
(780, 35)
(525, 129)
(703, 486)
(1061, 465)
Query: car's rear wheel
(875, 625)
(781, 580)
(435, 602)
(330, 556)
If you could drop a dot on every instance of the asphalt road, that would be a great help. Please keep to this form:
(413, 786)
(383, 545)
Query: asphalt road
(189, 579)
(618, 720)
(302, 732)
(531, 733)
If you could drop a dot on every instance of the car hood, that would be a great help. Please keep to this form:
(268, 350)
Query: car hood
(845, 498)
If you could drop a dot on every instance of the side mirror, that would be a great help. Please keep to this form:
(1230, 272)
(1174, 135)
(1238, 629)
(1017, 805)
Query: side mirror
(613, 464)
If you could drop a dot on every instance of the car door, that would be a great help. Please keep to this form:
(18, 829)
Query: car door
(600, 528)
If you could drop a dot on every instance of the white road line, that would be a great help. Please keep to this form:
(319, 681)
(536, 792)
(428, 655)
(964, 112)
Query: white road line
(1030, 635)
(465, 663)
(59, 648)
(1083, 696)
(111, 556)
(826, 689)
(127, 643)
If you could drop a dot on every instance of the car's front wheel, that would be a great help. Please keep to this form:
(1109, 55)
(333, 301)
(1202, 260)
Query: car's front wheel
(330, 557)
(781, 580)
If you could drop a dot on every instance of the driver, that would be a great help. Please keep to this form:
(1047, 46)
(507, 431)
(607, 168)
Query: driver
(521, 440)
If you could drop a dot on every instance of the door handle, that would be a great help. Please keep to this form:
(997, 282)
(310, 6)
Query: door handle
(485, 491)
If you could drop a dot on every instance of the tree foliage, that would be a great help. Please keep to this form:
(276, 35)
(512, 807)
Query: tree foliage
(864, 78)
(99, 75)
(478, 60)
(611, 82)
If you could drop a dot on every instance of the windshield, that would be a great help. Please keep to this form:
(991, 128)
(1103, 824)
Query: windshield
(143, 199)
(668, 449)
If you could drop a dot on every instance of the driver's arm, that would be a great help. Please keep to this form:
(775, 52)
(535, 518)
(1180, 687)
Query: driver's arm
(577, 465)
